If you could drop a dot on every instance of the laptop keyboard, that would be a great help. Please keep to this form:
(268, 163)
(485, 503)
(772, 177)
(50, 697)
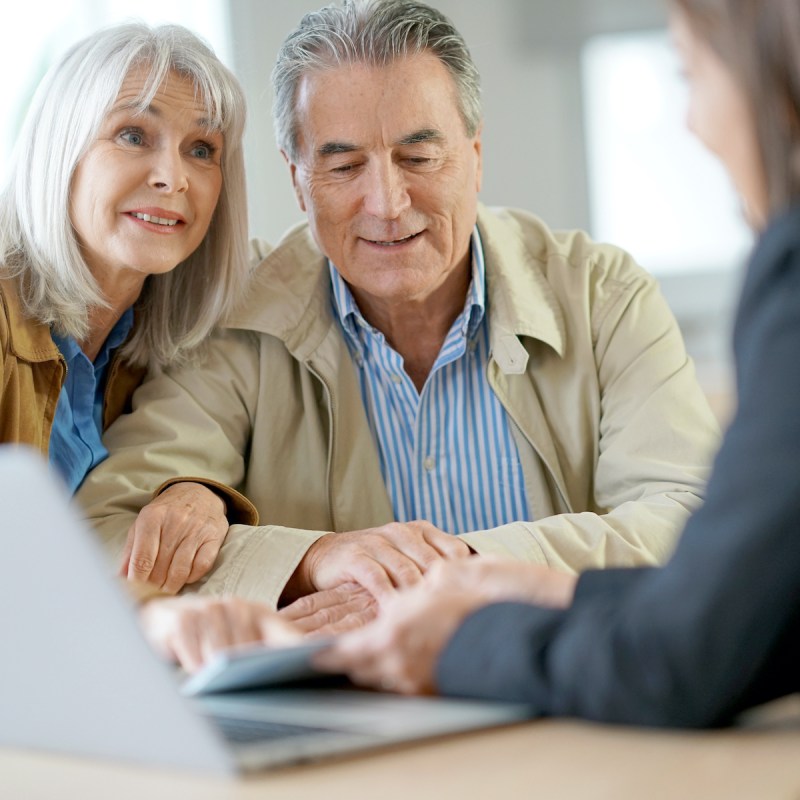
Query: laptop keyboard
(244, 731)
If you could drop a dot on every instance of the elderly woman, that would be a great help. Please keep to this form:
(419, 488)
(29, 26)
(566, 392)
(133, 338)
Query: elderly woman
(122, 237)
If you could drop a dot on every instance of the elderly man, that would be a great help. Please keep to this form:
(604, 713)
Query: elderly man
(408, 355)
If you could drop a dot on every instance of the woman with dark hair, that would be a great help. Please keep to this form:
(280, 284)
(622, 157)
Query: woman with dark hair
(716, 630)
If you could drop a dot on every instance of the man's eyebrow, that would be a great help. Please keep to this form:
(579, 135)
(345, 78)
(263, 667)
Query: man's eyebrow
(334, 148)
(421, 136)
(417, 137)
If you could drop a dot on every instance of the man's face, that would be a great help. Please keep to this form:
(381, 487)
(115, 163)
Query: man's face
(387, 175)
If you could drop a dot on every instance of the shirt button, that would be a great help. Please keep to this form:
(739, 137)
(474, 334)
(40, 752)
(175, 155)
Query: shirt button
(395, 378)
(429, 463)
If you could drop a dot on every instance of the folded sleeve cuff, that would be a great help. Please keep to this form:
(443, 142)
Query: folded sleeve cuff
(238, 509)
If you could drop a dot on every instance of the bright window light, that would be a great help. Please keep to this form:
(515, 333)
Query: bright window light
(34, 34)
(653, 189)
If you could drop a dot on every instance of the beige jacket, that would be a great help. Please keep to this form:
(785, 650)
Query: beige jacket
(614, 434)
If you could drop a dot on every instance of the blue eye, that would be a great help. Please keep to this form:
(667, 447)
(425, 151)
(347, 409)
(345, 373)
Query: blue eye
(132, 136)
(203, 150)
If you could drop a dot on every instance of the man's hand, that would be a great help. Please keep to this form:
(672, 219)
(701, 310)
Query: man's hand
(176, 538)
(399, 651)
(190, 629)
(332, 611)
(379, 559)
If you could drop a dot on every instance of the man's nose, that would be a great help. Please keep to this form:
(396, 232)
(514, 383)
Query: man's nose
(386, 192)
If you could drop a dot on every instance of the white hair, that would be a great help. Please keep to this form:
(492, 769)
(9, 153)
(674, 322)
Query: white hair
(375, 32)
(177, 310)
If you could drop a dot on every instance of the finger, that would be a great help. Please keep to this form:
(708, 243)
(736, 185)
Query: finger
(403, 570)
(143, 555)
(277, 632)
(204, 559)
(179, 567)
(446, 545)
(350, 622)
(329, 617)
(126, 552)
(376, 578)
(185, 644)
(310, 604)
(408, 539)
(215, 634)
(241, 622)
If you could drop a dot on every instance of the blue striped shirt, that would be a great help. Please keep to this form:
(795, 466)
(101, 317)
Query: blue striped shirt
(447, 454)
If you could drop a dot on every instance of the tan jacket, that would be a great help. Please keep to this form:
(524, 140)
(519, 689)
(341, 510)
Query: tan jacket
(613, 432)
(33, 371)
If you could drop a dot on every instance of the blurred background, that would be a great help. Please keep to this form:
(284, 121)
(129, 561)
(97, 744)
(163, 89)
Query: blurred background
(584, 125)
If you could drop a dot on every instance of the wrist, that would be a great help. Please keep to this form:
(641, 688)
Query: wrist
(301, 582)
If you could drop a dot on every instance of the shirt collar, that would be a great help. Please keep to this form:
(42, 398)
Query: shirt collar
(69, 347)
(351, 318)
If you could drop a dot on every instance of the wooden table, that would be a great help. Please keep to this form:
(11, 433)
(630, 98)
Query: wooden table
(544, 759)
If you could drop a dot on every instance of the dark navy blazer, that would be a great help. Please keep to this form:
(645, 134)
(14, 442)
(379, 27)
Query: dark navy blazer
(717, 629)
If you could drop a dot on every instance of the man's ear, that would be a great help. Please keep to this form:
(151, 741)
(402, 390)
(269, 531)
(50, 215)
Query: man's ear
(298, 190)
(477, 144)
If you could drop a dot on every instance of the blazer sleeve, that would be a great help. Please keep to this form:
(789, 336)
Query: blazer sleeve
(718, 628)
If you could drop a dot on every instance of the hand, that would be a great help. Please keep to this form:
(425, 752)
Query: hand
(332, 611)
(176, 538)
(496, 580)
(380, 559)
(191, 629)
(399, 651)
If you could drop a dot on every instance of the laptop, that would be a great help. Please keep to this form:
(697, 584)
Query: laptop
(76, 675)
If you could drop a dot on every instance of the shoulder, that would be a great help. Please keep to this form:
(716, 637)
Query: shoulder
(288, 285)
(26, 337)
(566, 265)
(516, 238)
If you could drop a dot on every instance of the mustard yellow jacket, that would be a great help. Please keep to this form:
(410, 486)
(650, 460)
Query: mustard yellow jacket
(33, 372)
(613, 432)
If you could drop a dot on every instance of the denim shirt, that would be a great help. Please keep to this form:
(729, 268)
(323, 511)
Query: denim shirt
(75, 443)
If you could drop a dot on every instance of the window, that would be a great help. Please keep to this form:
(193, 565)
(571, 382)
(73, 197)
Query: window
(653, 189)
(35, 34)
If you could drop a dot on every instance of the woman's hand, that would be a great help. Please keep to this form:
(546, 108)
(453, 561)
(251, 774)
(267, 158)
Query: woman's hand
(176, 538)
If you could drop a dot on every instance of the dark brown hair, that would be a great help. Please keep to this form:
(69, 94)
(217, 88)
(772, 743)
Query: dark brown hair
(759, 41)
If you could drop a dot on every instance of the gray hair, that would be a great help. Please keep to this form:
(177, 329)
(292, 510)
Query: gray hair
(374, 32)
(177, 310)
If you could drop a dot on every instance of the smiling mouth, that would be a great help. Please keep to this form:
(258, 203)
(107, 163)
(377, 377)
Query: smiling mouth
(170, 223)
(394, 242)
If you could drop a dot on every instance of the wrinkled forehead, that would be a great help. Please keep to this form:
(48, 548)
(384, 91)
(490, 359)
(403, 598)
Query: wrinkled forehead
(145, 80)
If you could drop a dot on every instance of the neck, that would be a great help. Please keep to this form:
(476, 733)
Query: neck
(120, 295)
(416, 328)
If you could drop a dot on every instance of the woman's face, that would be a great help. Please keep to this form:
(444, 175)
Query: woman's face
(144, 193)
(719, 116)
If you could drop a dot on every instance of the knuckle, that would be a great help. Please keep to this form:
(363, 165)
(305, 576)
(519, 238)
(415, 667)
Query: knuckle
(142, 564)
(204, 562)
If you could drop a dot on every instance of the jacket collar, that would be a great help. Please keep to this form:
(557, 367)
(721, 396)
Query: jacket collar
(290, 297)
(520, 300)
(28, 340)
